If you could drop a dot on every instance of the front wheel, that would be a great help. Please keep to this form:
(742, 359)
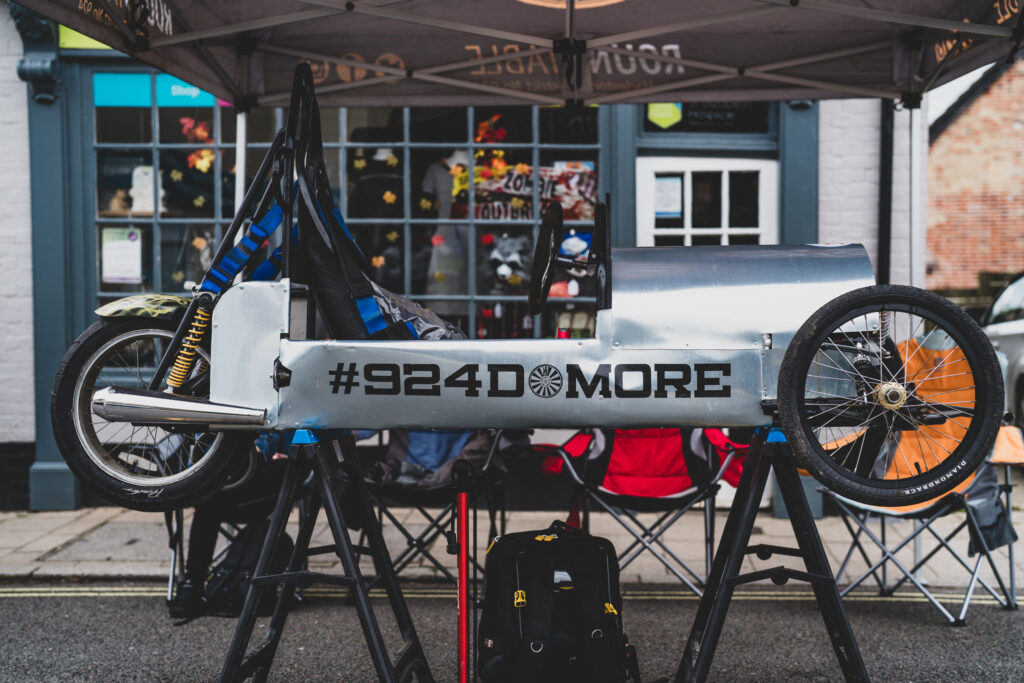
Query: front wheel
(147, 468)
(890, 395)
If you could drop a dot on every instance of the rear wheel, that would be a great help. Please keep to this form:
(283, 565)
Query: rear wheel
(141, 467)
(890, 395)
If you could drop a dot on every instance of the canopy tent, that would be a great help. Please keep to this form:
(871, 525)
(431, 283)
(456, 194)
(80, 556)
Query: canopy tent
(459, 52)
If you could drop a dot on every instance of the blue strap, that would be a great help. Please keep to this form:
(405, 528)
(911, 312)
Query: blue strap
(776, 436)
(269, 268)
(268, 223)
(304, 437)
(233, 262)
(369, 311)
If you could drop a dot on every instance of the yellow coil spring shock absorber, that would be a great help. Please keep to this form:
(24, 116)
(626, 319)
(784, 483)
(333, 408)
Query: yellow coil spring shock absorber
(189, 348)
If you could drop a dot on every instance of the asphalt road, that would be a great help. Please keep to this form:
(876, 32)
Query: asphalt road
(122, 632)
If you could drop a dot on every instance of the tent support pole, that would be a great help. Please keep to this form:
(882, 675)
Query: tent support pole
(885, 152)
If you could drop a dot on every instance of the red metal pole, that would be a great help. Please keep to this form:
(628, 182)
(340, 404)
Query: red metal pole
(462, 503)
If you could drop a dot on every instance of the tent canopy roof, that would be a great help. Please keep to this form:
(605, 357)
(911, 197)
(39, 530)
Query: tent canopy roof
(459, 52)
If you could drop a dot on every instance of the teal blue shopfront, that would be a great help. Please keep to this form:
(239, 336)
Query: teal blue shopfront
(133, 181)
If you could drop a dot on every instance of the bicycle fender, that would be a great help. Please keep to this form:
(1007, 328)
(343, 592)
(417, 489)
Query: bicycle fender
(165, 306)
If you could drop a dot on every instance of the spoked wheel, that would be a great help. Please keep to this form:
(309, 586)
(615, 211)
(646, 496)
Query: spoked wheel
(141, 467)
(890, 395)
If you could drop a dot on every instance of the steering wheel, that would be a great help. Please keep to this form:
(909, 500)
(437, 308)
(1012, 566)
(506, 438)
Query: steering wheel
(544, 255)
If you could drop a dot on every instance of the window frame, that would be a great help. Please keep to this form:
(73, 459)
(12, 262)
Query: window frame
(338, 151)
(648, 168)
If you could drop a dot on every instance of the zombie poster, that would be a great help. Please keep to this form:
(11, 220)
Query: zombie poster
(507, 193)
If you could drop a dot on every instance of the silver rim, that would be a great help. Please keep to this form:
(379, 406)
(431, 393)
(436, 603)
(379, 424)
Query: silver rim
(136, 455)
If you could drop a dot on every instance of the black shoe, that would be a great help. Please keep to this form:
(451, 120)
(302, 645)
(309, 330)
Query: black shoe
(188, 603)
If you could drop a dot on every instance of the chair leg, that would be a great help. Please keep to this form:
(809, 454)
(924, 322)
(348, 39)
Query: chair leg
(890, 556)
(174, 520)
(420, 544)
(986, 552)
(1007, 489)
(653, 535)
(631, 551)
(885, 565)
(654, 551)
(586, 514)
(855, 545)
(944, 543)
(709, 532)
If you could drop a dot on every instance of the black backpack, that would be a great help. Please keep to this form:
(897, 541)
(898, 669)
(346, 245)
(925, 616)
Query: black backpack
(230, 578)
(552, 610)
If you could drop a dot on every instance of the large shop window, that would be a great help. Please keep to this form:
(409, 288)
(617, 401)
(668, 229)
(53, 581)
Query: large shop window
(164, 184)
(444, 202)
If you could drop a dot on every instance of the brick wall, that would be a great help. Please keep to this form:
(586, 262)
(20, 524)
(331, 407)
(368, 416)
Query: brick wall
(848, 181)
(16, 386)
(848, 155)
(976, 183)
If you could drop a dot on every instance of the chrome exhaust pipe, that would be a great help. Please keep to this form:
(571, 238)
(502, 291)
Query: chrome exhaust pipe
(141, 406)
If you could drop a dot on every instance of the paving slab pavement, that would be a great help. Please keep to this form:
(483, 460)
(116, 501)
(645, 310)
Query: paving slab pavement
(109, 542)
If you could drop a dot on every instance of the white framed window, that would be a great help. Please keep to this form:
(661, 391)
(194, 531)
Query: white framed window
(694, 201)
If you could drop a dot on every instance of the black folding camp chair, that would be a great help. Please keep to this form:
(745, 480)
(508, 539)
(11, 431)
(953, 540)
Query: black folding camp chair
(434, 503)
(985, 520)
(985, 505)
(246, 497)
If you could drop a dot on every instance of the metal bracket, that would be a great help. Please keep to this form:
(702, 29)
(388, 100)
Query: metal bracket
(39, 67)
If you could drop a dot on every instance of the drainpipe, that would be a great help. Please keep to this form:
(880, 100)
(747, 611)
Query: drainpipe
(885, 193)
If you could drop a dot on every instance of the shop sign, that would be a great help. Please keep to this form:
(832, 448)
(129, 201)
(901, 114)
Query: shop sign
(174, 92)
(122, 90)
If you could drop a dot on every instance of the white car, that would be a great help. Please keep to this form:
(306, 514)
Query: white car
(1004, 325)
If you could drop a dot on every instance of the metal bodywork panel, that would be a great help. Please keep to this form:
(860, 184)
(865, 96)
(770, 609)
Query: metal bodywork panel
(695, 337)
(248, 323)
(165, 306)
(726, 297)
(622, 383)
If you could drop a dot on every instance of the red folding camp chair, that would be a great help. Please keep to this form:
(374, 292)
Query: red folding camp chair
(665, 471)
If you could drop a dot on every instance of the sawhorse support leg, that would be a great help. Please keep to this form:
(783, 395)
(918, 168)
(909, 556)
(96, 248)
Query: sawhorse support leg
(725, 575)
(334, 474)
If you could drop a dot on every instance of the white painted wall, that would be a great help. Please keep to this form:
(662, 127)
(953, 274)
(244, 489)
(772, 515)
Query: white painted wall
(848, 144)
(17, 416)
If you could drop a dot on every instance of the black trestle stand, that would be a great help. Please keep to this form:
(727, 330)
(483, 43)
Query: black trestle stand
(333, 474)
(768, 452)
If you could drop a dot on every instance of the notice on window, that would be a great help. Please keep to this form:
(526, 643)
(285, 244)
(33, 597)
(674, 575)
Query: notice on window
(121, 256)
(668, 196)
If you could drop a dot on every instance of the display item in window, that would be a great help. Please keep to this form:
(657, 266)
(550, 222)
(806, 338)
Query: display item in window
(449, 255)
(506, 268)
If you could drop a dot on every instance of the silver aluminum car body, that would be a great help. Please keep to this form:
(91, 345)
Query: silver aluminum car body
(695, 337)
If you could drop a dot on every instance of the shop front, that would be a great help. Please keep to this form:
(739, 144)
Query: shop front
(444, 202)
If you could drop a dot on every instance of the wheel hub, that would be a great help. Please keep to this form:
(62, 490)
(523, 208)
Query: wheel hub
(891, 395)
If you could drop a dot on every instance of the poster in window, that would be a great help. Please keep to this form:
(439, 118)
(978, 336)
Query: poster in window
(121, 256)
(668, 196)
(508, 193)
